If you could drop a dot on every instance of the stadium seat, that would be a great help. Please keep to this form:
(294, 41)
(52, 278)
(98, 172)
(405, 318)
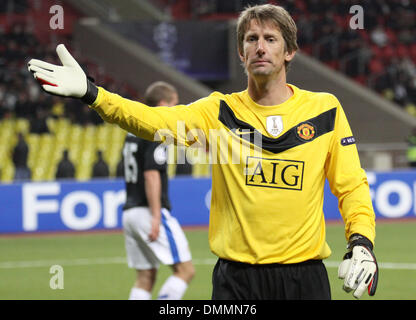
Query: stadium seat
(388, 94)
(402, 51)
(411, 109)
(6, 164)
(84, 141)
(391, 35)
(7, 171)
(361, 79)
(376, 67)
(32, 140)
(22, 125)
(388, 53)
(412, 52)
(43, 158)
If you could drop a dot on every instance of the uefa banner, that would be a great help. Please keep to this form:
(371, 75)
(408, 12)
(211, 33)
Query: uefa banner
(97, 205)
(93, 205)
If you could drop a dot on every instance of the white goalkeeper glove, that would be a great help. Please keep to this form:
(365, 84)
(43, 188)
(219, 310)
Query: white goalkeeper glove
(359, 268)
(68, 80)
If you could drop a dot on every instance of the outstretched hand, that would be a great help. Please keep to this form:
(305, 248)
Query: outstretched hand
(68, 80)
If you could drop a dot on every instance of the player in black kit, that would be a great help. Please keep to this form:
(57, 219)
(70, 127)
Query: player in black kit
(152, 235)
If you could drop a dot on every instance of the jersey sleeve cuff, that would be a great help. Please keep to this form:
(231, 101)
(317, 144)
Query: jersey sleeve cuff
(363, 230)
(98, 99)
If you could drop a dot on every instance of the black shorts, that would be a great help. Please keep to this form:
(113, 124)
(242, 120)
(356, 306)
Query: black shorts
(299, 281)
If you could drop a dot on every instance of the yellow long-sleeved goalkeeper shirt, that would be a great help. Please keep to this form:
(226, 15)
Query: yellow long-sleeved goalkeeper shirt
(269, 169)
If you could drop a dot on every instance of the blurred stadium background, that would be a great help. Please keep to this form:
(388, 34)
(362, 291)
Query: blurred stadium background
(126, 45)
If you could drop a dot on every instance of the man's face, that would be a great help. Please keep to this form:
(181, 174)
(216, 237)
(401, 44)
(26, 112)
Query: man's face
(264, 51)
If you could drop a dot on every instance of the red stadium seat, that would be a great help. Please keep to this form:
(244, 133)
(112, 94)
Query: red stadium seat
(377, 51)
(412, 52)
(402, 51)
(388, 53)
(391, 35)
(364, 34)
(376, 66)
(333, 64)
(300, 4)
(361, 79)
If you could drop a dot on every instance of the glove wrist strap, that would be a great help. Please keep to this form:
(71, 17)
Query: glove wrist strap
(91, 94)
(359, 240)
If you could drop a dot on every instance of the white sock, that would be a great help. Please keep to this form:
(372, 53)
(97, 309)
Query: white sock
(139, 294)
(173, 289)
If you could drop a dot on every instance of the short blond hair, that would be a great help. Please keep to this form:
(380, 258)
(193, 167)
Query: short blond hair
(159, 91)
(268, 13)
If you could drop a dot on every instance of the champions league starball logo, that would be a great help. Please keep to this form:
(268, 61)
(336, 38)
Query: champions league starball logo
(165, 36)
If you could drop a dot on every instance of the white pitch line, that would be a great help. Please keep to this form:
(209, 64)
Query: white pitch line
(381, 265)
(72, 262)
(122, 260)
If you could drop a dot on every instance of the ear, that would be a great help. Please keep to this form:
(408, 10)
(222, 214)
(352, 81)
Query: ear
(290, 55)
(241, 55)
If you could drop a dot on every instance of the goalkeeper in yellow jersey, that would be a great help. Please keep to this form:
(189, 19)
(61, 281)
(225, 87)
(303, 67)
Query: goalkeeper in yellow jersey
(272, 146)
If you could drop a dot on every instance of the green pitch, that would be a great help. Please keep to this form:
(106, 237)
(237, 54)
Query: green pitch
(94, 265)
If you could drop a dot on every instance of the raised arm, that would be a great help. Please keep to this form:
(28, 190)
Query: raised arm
(161, 123)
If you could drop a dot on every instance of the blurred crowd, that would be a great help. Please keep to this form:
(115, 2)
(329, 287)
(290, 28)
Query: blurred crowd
(21, 96)
(381, 55)
(15, 6)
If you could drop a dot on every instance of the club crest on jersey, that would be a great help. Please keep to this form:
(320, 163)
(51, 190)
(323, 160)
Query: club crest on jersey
(306, 131)
(274, 125)
(160, 154)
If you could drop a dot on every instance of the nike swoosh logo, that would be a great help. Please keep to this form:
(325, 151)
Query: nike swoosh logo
(238, 131)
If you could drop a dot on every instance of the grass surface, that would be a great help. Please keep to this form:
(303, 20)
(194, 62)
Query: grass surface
(94, 265)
